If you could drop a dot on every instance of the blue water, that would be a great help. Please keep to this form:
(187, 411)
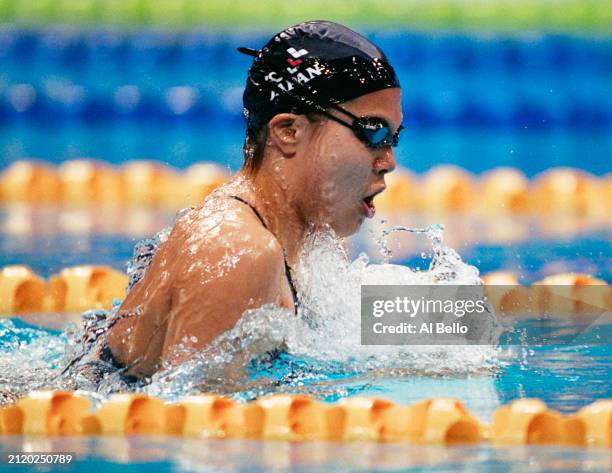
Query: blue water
(533, 257)
(478, 101)
(154, 454)
(566, 377)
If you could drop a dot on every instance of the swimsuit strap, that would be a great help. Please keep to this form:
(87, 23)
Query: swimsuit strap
(287, 269)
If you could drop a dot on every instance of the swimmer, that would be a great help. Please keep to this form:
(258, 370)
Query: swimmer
(323, 112)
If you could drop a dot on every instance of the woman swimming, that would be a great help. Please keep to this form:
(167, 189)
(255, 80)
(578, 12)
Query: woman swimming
(323, 111)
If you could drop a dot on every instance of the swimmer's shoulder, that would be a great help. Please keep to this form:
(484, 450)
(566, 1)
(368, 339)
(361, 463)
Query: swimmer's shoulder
(222, 228)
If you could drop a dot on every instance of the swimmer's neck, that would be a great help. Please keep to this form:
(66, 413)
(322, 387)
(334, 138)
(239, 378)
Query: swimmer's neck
(264, 190)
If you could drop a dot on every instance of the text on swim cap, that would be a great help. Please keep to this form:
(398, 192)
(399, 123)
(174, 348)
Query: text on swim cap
(300, 77)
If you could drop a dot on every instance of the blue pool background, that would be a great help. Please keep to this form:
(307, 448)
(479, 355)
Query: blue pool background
(532, 259)
(476, 100)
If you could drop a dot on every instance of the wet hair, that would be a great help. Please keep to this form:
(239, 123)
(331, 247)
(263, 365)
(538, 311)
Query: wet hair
(255, 144)
(253, 148)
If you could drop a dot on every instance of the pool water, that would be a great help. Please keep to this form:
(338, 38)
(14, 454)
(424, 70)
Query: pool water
(482, 377)
(478, 101)
(532, 101)
(154, 454)
(47, 241)
(567, 375)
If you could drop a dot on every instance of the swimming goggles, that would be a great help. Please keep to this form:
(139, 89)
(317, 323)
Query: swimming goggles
(374, 132)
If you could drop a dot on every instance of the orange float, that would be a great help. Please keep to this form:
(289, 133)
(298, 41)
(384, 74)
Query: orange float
(358, 418)
(447, 188)
(506, 295)
(86, 181)
(11, 420)
(527, 421)
(292, 417)
(504, 190)
(606, 184)
(212, 416)
(591, 425)
(200, 180)
(297, 418)
(401, 194)
(21, 291)
(150, 184)
(500, 278)
(569, 191)
(56, 413)
(571, 294)
(445, 421)
(132, 414)
(432, 421)
(85, 287)
(30, 181)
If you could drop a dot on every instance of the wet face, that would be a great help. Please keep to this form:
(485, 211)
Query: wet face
(340, 174)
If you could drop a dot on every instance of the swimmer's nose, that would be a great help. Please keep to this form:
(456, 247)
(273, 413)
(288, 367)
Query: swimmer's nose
(385, 161)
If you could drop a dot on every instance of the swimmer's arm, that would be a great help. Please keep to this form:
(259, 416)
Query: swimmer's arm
(137, 339)
(211, 297)
(136, 342)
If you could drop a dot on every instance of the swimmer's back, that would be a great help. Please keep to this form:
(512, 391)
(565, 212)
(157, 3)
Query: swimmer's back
(217, 262)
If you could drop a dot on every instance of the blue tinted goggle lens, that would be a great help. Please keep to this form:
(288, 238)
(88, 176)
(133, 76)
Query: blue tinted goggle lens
(375, 132)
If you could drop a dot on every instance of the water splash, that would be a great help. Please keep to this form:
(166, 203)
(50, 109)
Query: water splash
(324, 342)
(28, 358)
(269, 349)
(433, 232)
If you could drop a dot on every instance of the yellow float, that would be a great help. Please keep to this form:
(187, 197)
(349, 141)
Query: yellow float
(292, 417)
(527, 421)
(88, 181)
(212, 416)
(504, 190)
(447, 189)
(568, 191)
(358, 418)
(81, 288)
(56, 413)
(432, 421)
(572, 294)
(21, 291)
(201, 179)
(30, 181)
(591, 425)
(150, 184)
(132, 414)
(11, 420)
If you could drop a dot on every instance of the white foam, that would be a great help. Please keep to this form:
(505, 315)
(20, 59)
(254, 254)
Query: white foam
(323, 354)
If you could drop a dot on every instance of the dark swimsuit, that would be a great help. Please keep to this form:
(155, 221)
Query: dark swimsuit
(287, 269)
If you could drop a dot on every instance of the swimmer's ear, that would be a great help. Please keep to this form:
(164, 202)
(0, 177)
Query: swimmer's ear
(286, 131)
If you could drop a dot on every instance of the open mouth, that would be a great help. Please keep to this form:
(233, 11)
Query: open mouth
(369, 209)
(368, 206)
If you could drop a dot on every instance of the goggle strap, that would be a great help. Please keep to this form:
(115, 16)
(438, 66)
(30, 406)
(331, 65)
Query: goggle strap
(343, 110)
(322, 111)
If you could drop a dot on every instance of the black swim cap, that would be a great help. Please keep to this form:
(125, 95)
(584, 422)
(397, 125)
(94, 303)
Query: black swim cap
(315, 62)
